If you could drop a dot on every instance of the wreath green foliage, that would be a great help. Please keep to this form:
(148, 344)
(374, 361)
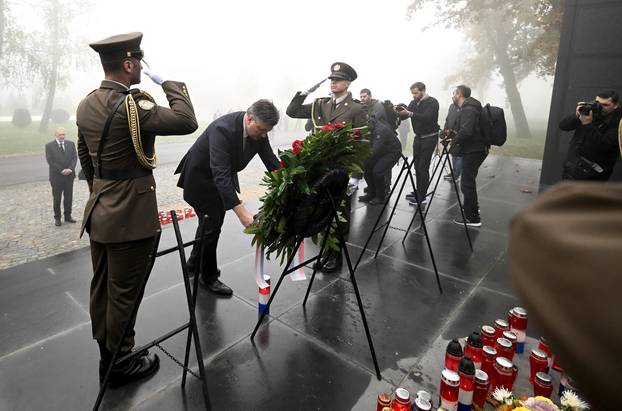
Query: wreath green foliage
(334, 146)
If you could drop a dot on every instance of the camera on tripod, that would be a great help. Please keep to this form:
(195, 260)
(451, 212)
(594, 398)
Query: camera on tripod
(446, 135)
(593, 106)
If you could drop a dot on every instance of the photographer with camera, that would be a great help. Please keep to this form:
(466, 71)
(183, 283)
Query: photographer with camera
(593, 148)
(423, 114)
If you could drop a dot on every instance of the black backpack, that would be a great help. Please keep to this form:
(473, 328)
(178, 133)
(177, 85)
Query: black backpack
(492, 124)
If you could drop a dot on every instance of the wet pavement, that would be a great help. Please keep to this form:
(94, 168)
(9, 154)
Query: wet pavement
(307, 358)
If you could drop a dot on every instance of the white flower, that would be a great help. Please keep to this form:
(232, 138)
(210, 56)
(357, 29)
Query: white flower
(571, 400)
(503, 395)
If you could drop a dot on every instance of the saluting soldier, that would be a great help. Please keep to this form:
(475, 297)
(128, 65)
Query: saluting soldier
(117, 127)
(340, 107)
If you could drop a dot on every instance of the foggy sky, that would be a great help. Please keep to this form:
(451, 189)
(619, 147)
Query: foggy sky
(232, 53)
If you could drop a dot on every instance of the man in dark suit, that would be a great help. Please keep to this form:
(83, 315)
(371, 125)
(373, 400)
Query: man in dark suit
(117, 127)
(62, 157)
(210, 181)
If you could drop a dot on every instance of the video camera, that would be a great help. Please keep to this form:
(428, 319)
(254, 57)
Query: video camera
(593, 106)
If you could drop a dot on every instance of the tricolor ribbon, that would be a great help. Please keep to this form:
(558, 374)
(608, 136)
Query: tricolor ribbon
(299, 274)
(259, 267)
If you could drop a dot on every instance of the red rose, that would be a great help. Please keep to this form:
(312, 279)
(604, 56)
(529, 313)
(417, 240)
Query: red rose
(356, 133)
(339, 126)
(282, 164)
(297, 146)
(329, 127)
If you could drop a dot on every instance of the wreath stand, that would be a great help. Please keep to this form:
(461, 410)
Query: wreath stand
(331, 190)
(406, 168)
(191, 325)
(439, 167)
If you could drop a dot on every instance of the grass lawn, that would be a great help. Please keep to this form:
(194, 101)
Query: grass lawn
(29, 140)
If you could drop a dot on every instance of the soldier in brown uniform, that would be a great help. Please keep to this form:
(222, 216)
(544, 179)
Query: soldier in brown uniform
(340, 107)
(116, 135)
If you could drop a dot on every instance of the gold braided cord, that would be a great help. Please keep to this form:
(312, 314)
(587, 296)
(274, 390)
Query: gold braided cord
(134, 125)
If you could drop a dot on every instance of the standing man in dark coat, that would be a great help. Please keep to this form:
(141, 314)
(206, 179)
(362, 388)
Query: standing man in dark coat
(117, 127)
(468, 143)
(340, 107)
(62, 157)
(593, 148)
(423, 114)
(210, 180)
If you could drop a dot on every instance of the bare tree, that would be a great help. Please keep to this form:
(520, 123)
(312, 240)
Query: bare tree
(512, 38)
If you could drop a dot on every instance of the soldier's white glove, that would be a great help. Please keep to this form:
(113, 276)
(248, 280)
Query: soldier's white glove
(313, 88)
(157, 78)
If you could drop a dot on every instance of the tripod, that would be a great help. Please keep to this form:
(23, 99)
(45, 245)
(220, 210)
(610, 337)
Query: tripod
(326, 193)
(407, 169)
(437, 173)
(191, 325)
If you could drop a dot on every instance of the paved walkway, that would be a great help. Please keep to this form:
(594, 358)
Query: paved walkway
(27, 221)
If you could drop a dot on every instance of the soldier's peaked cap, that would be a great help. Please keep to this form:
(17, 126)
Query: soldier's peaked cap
(342, 71)
(119, 47)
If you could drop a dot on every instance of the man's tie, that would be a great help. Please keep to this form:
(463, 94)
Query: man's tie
(62, 146)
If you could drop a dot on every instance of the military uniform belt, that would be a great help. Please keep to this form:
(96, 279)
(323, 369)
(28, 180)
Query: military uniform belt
(122, 174)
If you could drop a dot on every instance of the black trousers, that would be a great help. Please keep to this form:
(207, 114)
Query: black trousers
(423, 148)
(376, 169)
(216, 217)
(62, 188)
(470, 167)
(118, 271)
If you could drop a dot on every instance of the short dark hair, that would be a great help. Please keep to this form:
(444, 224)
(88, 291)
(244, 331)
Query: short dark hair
(615, 98)
(114, 66)
(366, 91)
(465, 91)
(264, 110)
(418, 85)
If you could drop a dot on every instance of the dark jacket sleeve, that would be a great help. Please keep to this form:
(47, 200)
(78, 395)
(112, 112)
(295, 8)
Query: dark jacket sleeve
(603, 137)
(85, 160)
(468, 122)
(296, 108)
(73, 159)
(52, 160)
(179, 119)
(269, 159)
(220, 164)
(569, 123)
(360, 117)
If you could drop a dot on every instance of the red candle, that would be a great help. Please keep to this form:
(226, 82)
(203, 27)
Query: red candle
(517, 318)
(503, 374)
(450, 386)
(473, 349)
(538, 362)
(401, 401)
(453, 355)
(488, 359)
(500, 326)
(488, 335)
(384, 400)
(504, 348)
(543, 385)
(481, 388)
(511, 337)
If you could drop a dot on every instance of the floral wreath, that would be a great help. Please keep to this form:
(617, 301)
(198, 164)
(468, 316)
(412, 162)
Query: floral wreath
(333, 146)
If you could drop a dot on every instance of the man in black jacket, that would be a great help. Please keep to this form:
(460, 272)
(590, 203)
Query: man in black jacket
(468, 143)
(385, 151)
(61, 156)
(423, 114)
(593, 149)
(210, 182)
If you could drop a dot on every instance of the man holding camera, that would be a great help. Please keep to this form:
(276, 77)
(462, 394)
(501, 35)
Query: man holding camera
(423, 114)
(593, 148)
